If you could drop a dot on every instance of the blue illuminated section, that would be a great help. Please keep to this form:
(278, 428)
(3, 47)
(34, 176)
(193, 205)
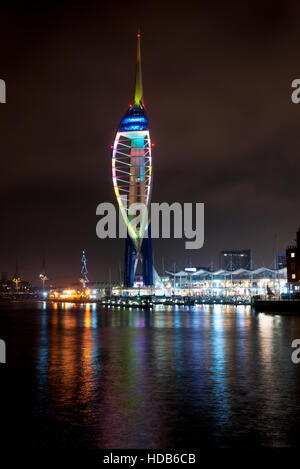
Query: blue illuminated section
(134, 119)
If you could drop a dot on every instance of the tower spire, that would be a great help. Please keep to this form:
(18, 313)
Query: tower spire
(138, 93)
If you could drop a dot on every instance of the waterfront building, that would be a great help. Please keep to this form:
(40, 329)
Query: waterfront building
(233, 259)
(241, 283)
(293, 262)
(221, 282)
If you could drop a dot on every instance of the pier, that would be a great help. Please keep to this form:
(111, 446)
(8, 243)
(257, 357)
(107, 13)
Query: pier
(277, 305)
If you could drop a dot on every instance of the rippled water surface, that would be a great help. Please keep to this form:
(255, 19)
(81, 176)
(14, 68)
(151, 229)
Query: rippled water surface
(83, 376)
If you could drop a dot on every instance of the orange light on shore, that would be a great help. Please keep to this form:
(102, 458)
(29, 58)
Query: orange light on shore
(67, 294)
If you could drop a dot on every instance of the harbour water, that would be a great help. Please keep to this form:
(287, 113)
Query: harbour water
(85, 376)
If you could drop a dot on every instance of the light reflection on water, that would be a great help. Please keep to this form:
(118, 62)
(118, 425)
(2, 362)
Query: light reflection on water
(167, 378)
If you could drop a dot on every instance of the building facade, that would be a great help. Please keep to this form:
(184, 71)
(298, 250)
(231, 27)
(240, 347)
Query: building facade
(233, 259)
(293, 262)
(222, 283)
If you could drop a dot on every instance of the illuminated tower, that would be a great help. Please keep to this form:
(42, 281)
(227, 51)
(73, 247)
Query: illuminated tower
(84, 278)
(132, 179)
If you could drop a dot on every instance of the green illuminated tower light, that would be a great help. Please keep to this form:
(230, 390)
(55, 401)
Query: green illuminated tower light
(138, 93)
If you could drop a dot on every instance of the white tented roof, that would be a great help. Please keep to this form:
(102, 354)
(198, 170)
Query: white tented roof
(222, 272)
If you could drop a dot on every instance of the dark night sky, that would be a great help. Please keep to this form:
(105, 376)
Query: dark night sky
(217, 80)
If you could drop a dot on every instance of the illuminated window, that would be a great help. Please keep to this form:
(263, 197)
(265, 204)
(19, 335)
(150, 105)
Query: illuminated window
(292, 254)
(293, 276)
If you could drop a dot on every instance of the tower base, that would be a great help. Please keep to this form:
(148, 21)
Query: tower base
(131, 261)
